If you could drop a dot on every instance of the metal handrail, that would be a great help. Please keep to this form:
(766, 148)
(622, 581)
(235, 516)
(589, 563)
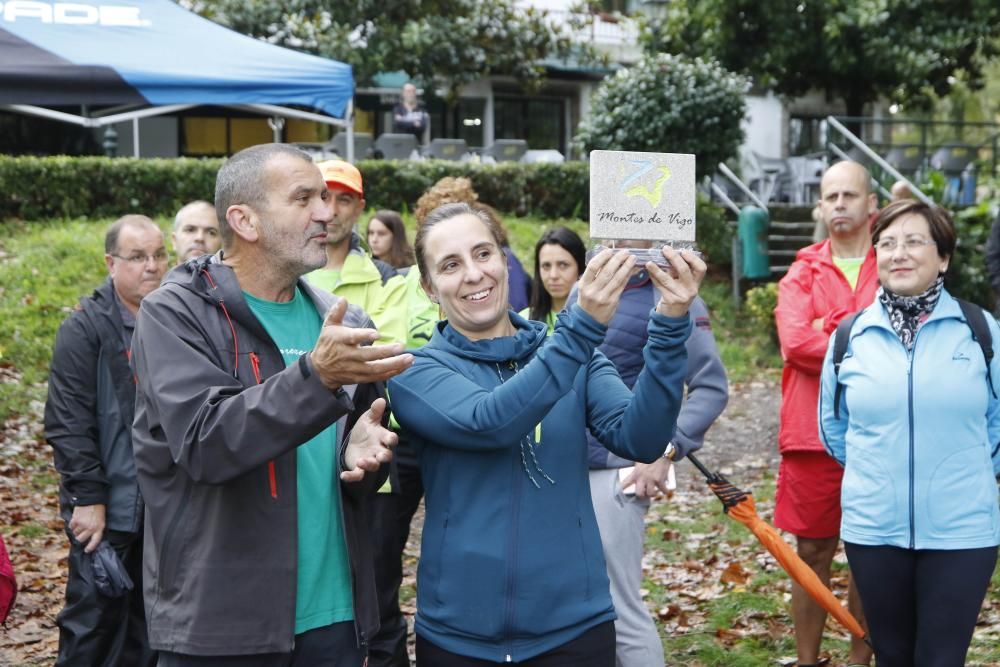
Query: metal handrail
(839, 152)
(728, 173)
(874, 157)
(721, 194)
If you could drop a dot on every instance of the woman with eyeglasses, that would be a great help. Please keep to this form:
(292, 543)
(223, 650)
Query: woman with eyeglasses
(511, 564)
(915, 422)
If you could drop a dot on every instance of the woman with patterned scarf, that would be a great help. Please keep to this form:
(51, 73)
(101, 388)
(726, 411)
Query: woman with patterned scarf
(917, 432)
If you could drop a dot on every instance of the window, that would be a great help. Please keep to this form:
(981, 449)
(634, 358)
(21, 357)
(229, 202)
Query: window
(539, 121)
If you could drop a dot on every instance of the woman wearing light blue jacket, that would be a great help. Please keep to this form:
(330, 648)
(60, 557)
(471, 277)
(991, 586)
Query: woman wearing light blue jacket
(917, 432)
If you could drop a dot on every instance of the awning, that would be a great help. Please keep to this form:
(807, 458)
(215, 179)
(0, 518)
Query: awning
(154, 53)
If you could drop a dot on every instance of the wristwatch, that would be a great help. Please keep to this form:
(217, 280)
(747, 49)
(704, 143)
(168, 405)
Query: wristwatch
(670, 452)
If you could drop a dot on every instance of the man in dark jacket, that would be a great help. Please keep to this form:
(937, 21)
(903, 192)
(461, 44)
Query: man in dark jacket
(256, 448)
(88, 419)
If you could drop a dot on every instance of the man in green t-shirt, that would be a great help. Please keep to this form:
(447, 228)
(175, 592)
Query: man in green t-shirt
(260, 436)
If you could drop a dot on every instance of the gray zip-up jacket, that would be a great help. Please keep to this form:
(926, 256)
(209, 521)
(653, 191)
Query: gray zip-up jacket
(218, 419)
(88, 413)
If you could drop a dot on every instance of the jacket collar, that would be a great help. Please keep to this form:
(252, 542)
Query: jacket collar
(528, 337)
(875, 315)
(216, 282)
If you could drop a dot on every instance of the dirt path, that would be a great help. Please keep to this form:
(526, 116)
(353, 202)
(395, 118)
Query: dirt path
(741, 444)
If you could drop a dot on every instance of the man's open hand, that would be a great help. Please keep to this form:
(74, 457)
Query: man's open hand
(369, 446)
(343, 355)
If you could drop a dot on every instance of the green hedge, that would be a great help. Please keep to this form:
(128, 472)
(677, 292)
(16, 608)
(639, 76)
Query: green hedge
(64, 187)
(33, 188)
(52, 188)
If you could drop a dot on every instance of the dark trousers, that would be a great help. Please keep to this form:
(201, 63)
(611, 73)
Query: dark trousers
(98, 631)
(334, 645)
(922, 604)
(391, 517)
(594, 648)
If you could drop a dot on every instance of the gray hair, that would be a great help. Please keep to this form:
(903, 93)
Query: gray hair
(242, 180)
(188, 208)
(115, 230)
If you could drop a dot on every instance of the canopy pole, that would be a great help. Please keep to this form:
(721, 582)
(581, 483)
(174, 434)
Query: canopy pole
(135, 137)
(349, 117)
(277, 123)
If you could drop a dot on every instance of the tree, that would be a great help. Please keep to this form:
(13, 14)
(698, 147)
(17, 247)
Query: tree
(855, 50)
(670, 104)
(448, 42)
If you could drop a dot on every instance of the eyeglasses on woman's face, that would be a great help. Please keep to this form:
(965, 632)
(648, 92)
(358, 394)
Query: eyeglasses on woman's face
(912, 243)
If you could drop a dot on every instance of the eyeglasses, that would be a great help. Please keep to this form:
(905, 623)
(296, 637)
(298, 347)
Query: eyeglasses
(910, 244)
(158, 258)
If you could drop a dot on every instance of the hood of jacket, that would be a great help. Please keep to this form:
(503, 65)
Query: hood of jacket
(528, 338)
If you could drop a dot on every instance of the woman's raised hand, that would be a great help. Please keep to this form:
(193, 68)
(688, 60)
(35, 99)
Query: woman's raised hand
(603, 282)
(679, 284)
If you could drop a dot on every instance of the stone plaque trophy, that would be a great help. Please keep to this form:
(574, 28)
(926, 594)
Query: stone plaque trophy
(642, 196)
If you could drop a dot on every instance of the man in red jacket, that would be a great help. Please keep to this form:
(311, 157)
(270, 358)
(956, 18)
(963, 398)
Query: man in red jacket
(827, 281)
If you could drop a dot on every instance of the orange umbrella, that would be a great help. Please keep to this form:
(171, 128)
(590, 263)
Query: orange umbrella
(739, 505)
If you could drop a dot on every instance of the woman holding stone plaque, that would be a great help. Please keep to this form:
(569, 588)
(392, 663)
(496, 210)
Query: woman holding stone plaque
(511, 566)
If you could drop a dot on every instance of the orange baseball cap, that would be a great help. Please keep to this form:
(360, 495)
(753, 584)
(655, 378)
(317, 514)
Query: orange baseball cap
(344, 174)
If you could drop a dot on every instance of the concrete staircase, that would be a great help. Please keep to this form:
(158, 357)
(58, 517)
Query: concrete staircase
(791, 229)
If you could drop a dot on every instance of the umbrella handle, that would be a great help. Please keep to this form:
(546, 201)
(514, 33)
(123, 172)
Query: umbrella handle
(712, 477)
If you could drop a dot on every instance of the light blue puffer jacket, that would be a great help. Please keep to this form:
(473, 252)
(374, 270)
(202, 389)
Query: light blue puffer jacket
(918, 433)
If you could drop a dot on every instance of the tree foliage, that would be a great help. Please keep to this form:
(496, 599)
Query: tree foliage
(670, 104)
(854, 50)
(449, 42)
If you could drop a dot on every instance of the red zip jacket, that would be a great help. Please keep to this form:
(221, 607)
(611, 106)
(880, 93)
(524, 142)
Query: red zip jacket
(813, 288)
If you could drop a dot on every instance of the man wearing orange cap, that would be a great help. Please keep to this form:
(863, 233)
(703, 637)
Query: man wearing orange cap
(349, 272)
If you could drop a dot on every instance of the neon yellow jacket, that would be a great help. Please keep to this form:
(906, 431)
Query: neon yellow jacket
(360, 283)
(422, 313)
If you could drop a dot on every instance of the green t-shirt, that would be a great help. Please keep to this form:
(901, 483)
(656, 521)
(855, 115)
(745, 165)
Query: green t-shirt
(323, 592)
(850, 267)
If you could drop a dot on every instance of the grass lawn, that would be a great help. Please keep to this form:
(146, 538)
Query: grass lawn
(718, 600)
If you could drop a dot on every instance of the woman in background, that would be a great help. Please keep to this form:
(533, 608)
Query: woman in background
(387, 240)
(560, 259)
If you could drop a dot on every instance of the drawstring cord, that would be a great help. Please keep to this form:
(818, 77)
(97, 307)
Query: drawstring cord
(527, 440)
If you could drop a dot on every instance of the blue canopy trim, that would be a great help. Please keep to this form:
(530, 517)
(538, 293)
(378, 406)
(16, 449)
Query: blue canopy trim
(155, 52)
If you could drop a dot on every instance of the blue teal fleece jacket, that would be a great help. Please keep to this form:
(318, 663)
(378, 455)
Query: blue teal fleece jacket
(511, 563)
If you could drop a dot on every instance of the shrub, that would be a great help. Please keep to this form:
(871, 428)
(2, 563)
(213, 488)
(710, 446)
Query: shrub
(967, 277)
(36, 188)
(57, 188)
(668, 103)
(760, 304)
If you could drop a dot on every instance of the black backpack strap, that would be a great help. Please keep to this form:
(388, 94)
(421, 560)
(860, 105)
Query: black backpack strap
(842, 336)
(981, 334)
